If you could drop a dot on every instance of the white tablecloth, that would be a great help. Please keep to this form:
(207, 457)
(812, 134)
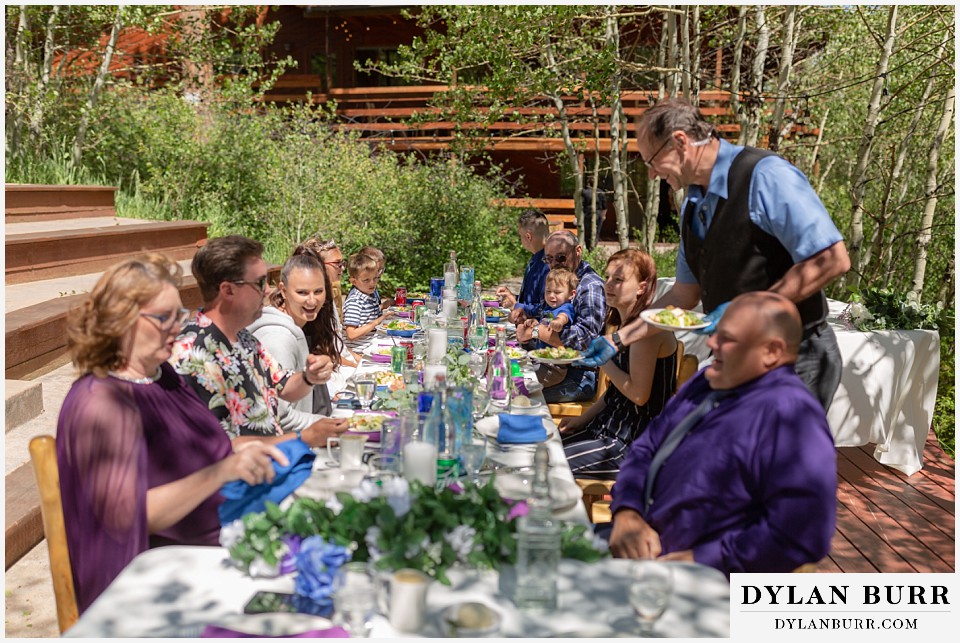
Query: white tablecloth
(887, 391)
(176, 591)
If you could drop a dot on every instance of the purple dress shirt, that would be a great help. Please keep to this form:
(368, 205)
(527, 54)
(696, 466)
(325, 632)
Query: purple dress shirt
(752, 488)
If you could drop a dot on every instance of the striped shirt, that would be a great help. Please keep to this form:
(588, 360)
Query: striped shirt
(360, 308)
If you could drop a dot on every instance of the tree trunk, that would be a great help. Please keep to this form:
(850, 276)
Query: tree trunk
(595, 176)
(695, 55)
(783, 82)
(672, 54)
(36, 117)
(662, 89)
(79, 141)
(16, 84)
(735, 66)
(755, 104)
(860, 178)
(573, 157)
(946, 285)
(930, 205)
(685, 53)
(816, 146)
(616, 118)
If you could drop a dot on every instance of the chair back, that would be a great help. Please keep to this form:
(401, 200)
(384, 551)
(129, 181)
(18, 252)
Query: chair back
(687, 367)
(43, 455)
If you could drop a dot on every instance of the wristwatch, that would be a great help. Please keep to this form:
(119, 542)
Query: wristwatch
(616, 340)
(307, 379)
(536, 332)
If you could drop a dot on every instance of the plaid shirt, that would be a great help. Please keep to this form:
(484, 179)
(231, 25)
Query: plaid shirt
(590, 306)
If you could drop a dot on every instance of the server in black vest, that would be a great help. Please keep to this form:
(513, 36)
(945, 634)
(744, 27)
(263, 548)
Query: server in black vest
(751, 221)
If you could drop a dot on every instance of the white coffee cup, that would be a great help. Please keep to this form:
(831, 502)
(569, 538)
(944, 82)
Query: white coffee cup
(402, 596)
(351, 450)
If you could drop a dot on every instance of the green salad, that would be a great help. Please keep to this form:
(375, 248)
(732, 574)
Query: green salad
(399, 324)
(555, 353)
(678, 317)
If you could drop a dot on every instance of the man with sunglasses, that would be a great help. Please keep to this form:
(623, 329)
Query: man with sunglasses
(225, 363)
(751, 221)
(563, 250)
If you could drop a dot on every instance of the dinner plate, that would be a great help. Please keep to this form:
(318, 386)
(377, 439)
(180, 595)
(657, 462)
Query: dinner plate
(360, 423)
(398, 332)
(647, 316)
(403, 312)
(276, 624)
(564, 493)
(379, 352)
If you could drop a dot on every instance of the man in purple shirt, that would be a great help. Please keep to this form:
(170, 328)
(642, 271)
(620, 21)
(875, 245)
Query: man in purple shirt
(752, 487)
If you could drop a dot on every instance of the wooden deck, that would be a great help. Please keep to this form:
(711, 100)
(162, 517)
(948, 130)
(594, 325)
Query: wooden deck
(891, 522)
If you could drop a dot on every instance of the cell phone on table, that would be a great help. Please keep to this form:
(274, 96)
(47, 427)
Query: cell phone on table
(274, 602)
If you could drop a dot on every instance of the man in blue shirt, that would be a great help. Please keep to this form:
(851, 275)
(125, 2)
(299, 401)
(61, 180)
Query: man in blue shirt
(752, 485)
(534, 229)
(750, 222)
(563, 250)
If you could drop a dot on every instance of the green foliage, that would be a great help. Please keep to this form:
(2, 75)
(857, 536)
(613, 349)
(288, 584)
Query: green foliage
(882, 309)
(393, 533)
(945, 410)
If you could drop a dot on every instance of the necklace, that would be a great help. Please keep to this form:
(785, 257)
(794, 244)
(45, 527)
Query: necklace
(137, 380)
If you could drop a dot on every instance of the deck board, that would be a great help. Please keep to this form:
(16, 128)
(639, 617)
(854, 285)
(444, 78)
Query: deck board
(890, 522)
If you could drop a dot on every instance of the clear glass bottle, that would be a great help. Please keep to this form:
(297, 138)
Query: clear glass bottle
(477, 333)
(442, 430)
(451, 276)
(538, 543)
(500, 381)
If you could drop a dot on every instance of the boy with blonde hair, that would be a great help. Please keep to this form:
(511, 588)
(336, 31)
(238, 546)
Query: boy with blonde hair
(361, 308)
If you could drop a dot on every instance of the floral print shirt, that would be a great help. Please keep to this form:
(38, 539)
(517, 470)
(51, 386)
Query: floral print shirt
(240, 382)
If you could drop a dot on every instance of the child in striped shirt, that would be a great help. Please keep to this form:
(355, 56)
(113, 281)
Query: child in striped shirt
(361, 308)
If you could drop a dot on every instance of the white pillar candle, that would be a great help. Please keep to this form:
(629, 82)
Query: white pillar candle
(420, 462)
(449, 280)
(430, 372)
(436, 345)
(450, 309)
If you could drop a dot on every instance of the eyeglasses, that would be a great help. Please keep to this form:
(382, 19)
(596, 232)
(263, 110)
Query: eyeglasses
(561, 259)
(657, 153)
(339, 265)
(167, 322)
(260, 284)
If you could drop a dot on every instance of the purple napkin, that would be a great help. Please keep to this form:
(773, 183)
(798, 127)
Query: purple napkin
(217, 632)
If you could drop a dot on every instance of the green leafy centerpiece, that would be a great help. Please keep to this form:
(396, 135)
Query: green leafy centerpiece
(396, 525)
(884, 309)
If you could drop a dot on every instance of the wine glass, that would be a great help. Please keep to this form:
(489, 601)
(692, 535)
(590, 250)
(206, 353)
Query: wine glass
(478, 363)
(651, 584)
(473, 454)
(365, 391)
(481, 400)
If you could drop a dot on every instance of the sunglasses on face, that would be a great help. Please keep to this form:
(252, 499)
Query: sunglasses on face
(169, 321)
(561, 259)
(339, 265)
(260, 284)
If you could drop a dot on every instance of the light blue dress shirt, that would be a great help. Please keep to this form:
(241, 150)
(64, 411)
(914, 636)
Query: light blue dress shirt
(782, 204)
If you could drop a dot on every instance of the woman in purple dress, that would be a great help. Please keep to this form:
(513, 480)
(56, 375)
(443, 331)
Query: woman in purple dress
(141, 458)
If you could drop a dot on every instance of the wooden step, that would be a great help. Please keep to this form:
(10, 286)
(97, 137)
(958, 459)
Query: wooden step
(33, 256)
(24, 524)
(50, 202)
(24, 401)
(36, 335)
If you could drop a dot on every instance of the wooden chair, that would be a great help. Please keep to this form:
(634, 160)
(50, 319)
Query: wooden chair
(43, 454)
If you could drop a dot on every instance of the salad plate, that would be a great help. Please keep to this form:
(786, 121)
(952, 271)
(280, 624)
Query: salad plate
(556, 356)
(369, 423)
(379, 353)
(399, 328)
(674, 319)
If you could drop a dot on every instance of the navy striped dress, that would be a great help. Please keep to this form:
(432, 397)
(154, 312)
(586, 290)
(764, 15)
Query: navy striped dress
(596, 450)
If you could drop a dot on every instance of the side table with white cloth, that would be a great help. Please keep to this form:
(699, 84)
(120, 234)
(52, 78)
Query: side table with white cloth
(176, 591)
(887, 391)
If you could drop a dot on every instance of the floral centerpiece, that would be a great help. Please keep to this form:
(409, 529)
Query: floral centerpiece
(883, 309)
(397, 525)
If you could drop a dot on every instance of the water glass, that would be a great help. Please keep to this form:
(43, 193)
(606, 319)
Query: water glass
(436, 288)
(473, 454)
(366, 388)
(651, 584)
(478, 362)
(466, 283)
(481, 400)
(354, 598)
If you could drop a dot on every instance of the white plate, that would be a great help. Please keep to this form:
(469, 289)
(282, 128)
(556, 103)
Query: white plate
(280, 624)
(377, 346)
(564, 493)
(324, 483)
(647, 316)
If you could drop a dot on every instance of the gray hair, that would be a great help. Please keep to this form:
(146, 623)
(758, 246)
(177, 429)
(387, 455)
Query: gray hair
(567, 238)
(658, 122)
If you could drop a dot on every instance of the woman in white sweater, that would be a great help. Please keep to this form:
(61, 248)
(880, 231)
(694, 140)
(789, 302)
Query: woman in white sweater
(299, 320)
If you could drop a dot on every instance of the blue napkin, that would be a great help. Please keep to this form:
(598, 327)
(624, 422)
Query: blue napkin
(521, 429)
(242, 498)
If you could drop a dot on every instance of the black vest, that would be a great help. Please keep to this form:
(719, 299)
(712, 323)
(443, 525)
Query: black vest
(736, 256)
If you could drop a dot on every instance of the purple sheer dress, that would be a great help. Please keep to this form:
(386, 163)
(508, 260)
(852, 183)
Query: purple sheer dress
(115, 440)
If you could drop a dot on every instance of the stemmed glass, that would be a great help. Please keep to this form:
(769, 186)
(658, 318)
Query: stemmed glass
(651, 584)
(473, 454)
(354, 598)
(365, 391)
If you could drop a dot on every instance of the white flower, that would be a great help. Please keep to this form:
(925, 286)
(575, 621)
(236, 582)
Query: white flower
(370, 538)
(600, 544)
(397, 493)
(260, 569)
(333, 504)
(860, 313)
(366, 491)
(435, 552)
(231, 534)
(461, 540)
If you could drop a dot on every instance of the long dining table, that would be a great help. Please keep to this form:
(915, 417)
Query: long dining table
(177, 591)
(888, 387)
